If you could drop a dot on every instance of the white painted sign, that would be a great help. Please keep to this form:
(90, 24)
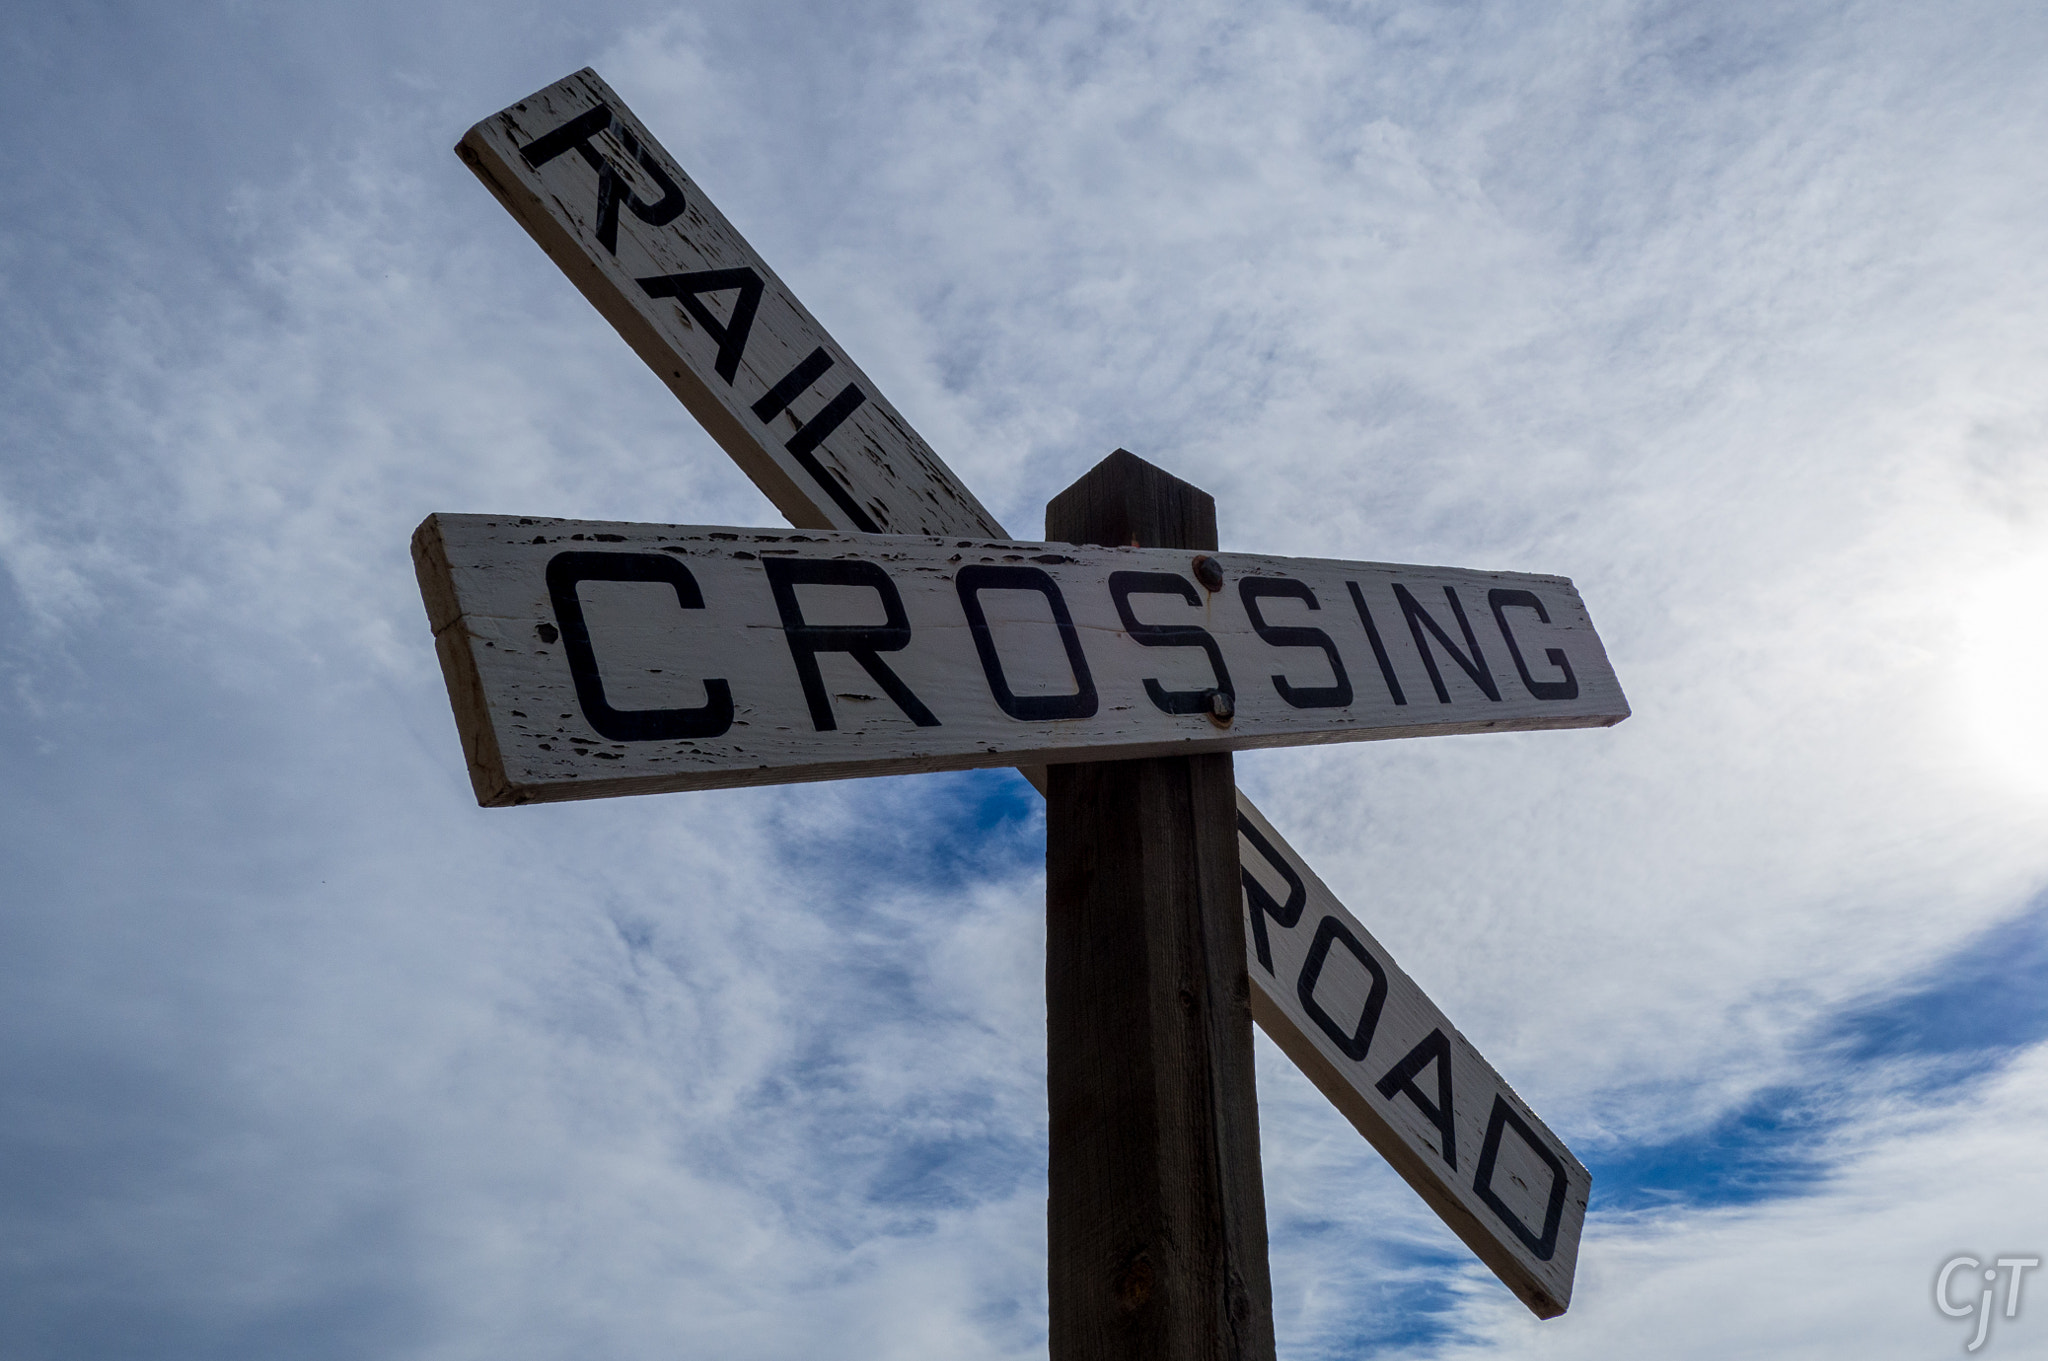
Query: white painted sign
(642, 241)
(691, 297)
(1336, 1003)
(613, 659)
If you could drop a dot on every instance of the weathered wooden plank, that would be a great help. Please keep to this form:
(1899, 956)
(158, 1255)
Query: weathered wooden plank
(1334, 1000)
(655, 256)
(1156, 1211)
(619, 658)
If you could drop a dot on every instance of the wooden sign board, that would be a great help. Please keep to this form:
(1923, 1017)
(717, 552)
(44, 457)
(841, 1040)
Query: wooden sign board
(692, 298)
(588, 660)
(1336, 1003)
(582, 175)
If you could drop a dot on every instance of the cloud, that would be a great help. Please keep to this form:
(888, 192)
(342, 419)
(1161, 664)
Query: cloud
(1728, 312)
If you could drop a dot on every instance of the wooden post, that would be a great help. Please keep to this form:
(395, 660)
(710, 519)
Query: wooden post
(1156, 1216)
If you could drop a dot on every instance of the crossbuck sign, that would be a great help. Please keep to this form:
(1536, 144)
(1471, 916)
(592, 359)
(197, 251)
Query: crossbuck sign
(906, 632)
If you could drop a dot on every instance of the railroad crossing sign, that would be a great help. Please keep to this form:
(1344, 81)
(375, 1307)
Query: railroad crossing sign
(586, 660)
(705, 658)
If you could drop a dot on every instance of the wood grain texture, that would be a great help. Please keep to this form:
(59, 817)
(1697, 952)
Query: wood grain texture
(1125, 502)
(456, 649)
(980, 670)
(1156, 1217)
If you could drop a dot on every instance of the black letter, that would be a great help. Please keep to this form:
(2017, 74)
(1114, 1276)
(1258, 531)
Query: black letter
(1474, 666)
(1401, 1078)
(1124, 585)
(1251, 590)
(732, 339)
(611, 186)
(1359, 1040)
(971, 582)
(860, 641)
(802, 444)
(1379, 649)
(1568, 688)
(1545, 1243)
(565, 570)
(791, 385)
(1262, 904)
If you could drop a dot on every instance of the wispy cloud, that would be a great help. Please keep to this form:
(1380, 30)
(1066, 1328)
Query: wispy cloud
(1729, 312)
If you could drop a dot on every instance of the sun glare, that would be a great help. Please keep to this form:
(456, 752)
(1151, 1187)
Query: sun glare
(2002, 671)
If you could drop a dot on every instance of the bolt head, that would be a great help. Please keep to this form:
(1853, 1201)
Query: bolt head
(1209, 572)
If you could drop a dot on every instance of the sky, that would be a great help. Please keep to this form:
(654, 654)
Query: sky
(1730, 312)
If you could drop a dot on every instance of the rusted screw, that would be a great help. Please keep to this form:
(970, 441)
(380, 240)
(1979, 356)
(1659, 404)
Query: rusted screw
(1209, 572)
(1221, 707)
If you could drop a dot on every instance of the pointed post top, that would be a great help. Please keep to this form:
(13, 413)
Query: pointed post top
(1124, 501)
